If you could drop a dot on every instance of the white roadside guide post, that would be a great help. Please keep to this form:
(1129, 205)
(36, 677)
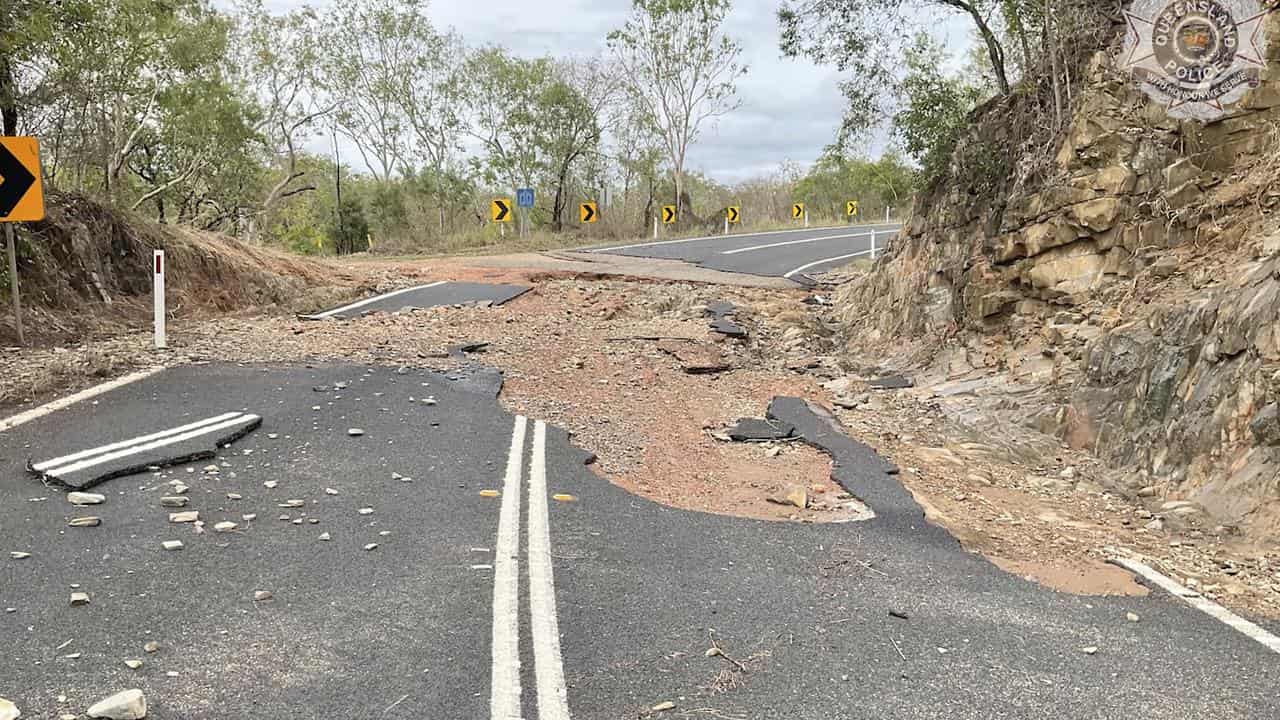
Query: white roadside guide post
(806, 216)
(726, 223)
(158, 266)
(873, 243)
(655, 227)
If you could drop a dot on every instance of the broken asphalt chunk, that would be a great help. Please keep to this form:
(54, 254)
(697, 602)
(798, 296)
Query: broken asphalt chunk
(752, 429)
(184, 443)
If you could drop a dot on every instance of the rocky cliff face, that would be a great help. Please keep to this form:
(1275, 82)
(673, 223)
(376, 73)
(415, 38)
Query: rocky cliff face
(1135, 281)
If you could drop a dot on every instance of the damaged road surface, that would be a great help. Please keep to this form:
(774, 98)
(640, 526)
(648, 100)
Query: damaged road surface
(429, 295)
(392, 544)
(185, 443)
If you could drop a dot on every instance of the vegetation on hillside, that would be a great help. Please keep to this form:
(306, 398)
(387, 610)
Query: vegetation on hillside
(359, 122)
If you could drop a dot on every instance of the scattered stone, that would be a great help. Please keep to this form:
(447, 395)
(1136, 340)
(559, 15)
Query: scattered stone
(429, 401)
(292, 504)
(84, 498)
(224, 526)
(261, 595)
(79, 598)
(795, 495)
(297, 521)
(249, 517)
(133, 664)
(180, 489)
(1157, 525)
(172, 544)
(355, 432)
(330, 491)
(1147, 492)
(564, 497)
(891, 382)
(713, 652)
(1090, 650)
(324, 536)
(365, 511)
(272, 436)
(696, 358)
(87, 521)
(19, 555)
(270, 484)
(1132, 617)
(313, 521)
(127, 705)
(184, 517)
(489, 493)
(371, 546)
(151, 646)
(212, 469)
(9, 711)
(174, 501)
(663, 706)
(234, 496)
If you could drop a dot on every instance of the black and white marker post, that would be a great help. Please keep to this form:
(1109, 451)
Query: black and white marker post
(158, 268)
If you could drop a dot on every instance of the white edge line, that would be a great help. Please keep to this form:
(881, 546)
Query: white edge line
(135, 449)
(1201, 603)
(60, 403)
(55, 462)
(712, 237)
(553, 702)
(375, 298)
(827, 260)
(798, 242)
(504, 691)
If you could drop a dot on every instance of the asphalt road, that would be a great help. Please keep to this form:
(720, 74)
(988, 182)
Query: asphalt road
(791, 254)
(429, 295)
(526, 606)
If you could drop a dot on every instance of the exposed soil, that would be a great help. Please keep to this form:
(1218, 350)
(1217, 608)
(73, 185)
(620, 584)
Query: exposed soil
(580, 353)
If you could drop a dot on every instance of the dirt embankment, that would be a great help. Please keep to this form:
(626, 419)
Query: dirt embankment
(86, 271)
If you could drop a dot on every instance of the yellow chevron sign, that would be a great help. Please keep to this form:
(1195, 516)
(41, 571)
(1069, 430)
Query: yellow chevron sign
(500, 210)
(668, 214)
(732, 214)
(851, 208)
(587, 212)
(797, 210)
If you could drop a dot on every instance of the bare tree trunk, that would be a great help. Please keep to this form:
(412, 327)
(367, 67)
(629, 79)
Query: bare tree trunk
(8, 97)
(994, 51)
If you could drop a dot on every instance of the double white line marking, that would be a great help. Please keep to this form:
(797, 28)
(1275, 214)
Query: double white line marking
(504, 698)
(85, 459)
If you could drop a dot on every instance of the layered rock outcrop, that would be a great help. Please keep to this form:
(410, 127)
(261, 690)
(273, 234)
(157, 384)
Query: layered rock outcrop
(1136, 276)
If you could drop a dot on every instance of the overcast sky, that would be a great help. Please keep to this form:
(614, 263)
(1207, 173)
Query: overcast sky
(790, 108)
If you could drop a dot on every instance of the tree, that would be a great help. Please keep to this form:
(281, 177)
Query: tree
(935, 106)
(431, 98)
(682, 70)
(534, 125)
(278, 58)
(374, 45)
(860, 37)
